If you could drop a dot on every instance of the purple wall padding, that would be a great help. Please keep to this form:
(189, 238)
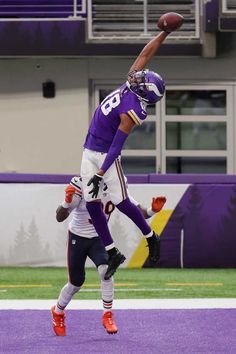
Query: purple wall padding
(136, 179)
(205, 216)
(34, 178)
(132, 179)
(192, 178)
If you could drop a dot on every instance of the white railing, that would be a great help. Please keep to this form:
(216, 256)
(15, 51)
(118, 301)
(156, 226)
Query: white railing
(143, 31)
(52, 13)
(228, 7)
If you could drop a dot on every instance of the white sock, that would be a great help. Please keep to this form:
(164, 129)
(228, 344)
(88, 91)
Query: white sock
(109, 247)
(66, 294)
(148, 235)
(107, 288)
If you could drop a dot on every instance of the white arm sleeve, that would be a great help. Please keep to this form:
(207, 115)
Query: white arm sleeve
(75, 202)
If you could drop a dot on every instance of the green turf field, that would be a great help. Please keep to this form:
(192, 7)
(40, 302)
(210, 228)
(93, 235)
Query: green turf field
(45, 283)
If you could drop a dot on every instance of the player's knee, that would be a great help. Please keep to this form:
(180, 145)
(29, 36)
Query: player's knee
(72, 289)
(102, 268)
(78, 281)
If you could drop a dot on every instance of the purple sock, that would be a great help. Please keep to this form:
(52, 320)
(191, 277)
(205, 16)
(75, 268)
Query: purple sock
(135, 214)
(99, 222)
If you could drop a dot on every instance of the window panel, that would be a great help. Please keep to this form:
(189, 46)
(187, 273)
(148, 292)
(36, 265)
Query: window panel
(151, 109)
(196, 136)
(196, 165)
(142, 137)
(103, 93)
(138, 164)
(196, 102)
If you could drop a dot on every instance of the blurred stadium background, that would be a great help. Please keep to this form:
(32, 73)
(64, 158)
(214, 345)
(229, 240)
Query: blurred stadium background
(58, 60)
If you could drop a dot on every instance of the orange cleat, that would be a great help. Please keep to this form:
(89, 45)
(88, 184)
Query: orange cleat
(109, 323)
(58, 322)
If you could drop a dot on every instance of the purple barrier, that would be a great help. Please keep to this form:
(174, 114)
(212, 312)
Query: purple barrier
(189, 178)
(205, 220)
(34, 178)
(133, 179)
(200, 232)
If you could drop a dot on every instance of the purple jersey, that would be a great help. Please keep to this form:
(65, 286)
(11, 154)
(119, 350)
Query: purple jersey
(106, 118)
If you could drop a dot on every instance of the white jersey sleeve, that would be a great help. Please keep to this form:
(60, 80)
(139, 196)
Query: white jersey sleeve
(77, 197)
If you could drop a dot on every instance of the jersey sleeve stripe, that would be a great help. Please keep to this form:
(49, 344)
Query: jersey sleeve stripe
(136, 116)
(132, 116)
(123, 187)
(121, 178)
(78, 189)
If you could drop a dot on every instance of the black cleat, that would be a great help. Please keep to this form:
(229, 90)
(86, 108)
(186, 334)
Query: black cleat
(114, 261)
(154, 249)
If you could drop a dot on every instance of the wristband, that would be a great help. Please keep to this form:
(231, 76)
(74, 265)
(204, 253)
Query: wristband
(150, 212)
(65, 205)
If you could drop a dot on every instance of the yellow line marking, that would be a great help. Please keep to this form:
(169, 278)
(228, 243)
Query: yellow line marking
(195, 284)
(26, 286)
(116, 284)
(158, 224)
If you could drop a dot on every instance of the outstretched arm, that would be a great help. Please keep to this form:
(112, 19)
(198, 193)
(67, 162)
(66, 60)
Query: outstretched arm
(157, 205)
(148, 52)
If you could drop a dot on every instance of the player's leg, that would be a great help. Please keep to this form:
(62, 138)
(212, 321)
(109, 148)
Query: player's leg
(91, 161)
(99, 256)
(89, 166)
(77, 250)
(116, 177)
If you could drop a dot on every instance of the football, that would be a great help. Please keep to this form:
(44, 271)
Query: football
(170, 22)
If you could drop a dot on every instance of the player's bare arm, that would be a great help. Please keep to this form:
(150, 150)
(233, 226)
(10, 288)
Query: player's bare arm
(126, 124)
(148, 52)
(62, 214)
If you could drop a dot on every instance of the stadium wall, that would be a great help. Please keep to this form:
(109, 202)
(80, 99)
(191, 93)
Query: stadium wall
(41, 135)
(197, 224)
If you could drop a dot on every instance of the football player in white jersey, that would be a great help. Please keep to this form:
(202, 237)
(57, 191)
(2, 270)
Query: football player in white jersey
(84, 242)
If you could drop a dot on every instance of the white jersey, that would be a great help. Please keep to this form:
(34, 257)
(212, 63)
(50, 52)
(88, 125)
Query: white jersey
(81, 223)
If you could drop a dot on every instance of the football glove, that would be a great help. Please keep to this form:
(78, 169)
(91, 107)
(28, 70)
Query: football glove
(158, 203)
(96, 182)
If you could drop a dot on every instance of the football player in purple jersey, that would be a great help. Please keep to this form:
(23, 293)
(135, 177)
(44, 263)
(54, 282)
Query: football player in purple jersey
(112, 123)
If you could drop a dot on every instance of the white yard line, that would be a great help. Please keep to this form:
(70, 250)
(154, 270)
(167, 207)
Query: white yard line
(225, 303)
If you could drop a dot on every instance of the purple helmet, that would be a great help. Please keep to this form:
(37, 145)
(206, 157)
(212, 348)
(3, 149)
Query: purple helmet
(147, 85)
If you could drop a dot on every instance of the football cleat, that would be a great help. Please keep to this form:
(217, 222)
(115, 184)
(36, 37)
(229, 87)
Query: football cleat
(154, 249)
(109, 323)
(114, 261)
(58, 322)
